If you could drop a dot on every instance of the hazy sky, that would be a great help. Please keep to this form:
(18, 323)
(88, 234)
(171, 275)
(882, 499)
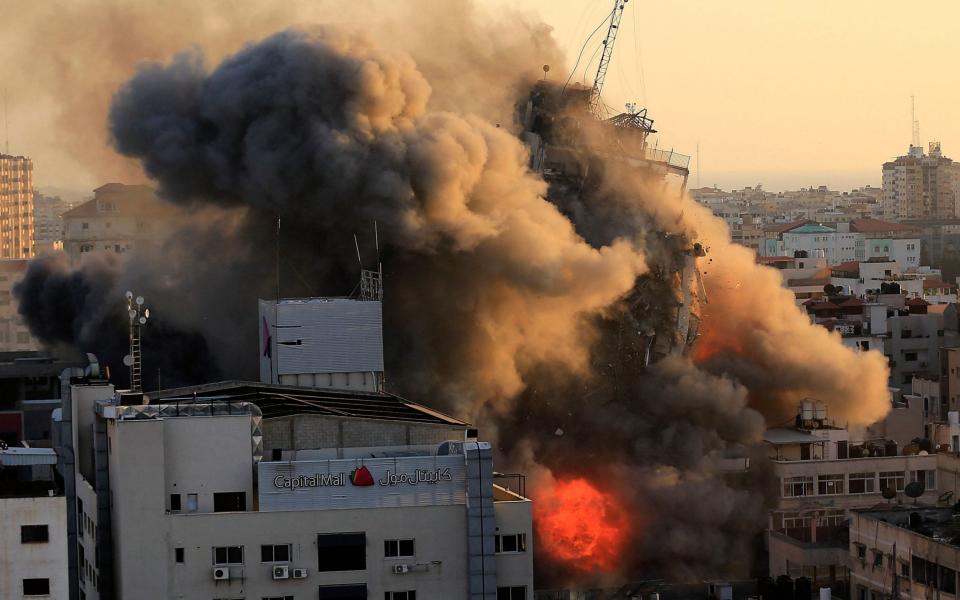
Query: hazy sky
(780, 92)
(777, 92)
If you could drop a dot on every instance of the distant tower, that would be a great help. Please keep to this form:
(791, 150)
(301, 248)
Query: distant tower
(915, 142)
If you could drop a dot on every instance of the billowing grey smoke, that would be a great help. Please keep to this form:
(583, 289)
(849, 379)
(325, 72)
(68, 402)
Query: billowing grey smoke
(503, 303)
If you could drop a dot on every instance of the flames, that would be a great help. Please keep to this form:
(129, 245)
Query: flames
(581, 526)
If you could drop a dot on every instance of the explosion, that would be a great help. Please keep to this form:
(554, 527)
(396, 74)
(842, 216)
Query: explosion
(581, 526)
(524, 305)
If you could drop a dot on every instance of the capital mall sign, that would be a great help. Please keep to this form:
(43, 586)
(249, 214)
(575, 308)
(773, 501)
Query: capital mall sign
(361, 477)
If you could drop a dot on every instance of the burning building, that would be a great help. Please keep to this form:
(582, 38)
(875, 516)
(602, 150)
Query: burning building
(547, 290)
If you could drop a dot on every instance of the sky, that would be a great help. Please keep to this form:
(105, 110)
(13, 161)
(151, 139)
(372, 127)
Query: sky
(787, 94)
(783, 94)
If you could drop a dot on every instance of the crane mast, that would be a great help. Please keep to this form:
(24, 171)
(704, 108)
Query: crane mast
(615, 15)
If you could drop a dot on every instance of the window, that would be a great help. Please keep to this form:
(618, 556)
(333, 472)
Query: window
(905, 333)
(861, 552)
(797, 486)
(909, 356)
(275, 553)
(36, 587)
(178, 555)
(342, 552)
(829, 485)
(229, 501)
(928, 478)
(394, 548)
(410, 595)
(892, 480)
(794, 520)
(174, 502)
(516, 542)
(863, 483)
(877, 558)
(516, 592)
(85, 226)
(34, 534)
(343, 592)
(228, 555)
(192, 505)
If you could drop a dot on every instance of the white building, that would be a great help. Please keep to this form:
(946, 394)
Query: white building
(265, 491)
(33, 534)
(118, 219)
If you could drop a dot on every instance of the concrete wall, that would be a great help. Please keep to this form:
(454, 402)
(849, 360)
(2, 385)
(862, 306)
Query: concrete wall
(302, 432)
(44, 560)
(904, 464)
(515, 569)
(205, 455)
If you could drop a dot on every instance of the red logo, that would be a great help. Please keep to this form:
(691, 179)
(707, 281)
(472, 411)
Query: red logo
(361, 477)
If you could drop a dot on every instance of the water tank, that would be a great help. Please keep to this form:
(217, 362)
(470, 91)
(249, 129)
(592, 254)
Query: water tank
(891, 448)
(802, 588)
(766, 589)
(784, 588)
(806, 410)
(915, 520)
(820, 410)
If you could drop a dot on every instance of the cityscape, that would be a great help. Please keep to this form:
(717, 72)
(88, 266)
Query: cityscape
(306, 301)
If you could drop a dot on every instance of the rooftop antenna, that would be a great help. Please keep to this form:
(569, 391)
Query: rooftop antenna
(138, 315)
(371, 282)
(698, 164)
(6, 124)
(915, 123)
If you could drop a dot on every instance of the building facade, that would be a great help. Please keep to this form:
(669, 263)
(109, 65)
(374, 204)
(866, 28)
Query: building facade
(16, 207)
(118, 219)
(920, 186)
(240, 490)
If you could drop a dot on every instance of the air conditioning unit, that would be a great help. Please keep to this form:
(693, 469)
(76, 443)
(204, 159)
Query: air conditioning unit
(401, 569)
(281, 572)
(299, 573)
(221, 573)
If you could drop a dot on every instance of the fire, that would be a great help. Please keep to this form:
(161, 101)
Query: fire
(712, 341)
(582, 526)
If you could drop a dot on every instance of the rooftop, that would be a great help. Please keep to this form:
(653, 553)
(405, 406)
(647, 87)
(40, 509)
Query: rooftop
(940, 524)
(281, 400)
(878, 226)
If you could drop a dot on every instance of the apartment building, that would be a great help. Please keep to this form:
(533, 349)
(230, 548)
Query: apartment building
(904, 551)
(16, 207)
(823, 473)
(116, 220)
(920, 186)
(48, 221)
(263, 491)
(33, 535)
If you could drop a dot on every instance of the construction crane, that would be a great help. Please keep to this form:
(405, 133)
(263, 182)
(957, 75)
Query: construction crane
(615, 15)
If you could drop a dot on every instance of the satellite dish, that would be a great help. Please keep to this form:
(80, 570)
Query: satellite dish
(139, 300)
(132, 313)
(129, 295)
(128, 361)
(889, 493)
(546, 68)
(146, 312)
(914, 489)
(143, 320)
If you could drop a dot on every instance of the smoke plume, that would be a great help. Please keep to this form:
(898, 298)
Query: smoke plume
(520, 305)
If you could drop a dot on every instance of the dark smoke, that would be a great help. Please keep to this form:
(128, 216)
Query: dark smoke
(507, 302)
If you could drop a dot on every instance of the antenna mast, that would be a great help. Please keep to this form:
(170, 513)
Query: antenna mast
(6, 124)
(138, 318)
(916, 124)
(607, 54)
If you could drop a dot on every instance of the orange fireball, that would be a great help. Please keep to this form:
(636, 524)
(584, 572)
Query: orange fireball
(581, 526)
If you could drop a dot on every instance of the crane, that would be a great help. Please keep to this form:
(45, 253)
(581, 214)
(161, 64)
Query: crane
(615, 15)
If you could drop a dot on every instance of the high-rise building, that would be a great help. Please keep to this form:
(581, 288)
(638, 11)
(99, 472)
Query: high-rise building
(16, 207)
(48, 221)
(920, 186)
